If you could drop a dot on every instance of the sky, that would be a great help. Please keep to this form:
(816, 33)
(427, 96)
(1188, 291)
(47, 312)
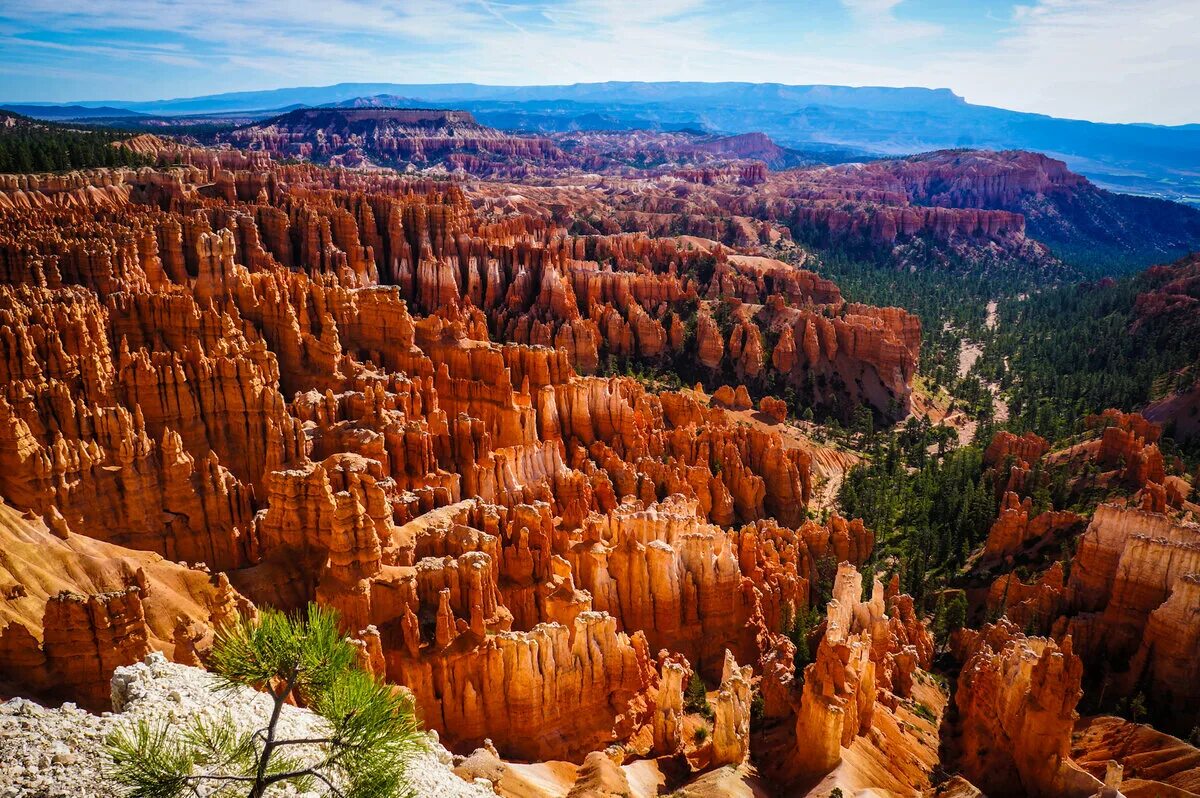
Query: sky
(1104, 60)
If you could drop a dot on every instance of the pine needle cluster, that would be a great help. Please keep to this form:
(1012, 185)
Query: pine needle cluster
(367, 734)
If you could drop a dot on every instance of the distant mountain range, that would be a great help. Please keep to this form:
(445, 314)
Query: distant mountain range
(70, 112)
(877, 121)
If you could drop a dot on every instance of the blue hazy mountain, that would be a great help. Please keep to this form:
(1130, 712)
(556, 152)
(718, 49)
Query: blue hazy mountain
(1138, 158)
(51, 112)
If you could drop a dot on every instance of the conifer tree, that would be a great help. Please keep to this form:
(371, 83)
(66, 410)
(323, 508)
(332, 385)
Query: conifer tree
(367, 732)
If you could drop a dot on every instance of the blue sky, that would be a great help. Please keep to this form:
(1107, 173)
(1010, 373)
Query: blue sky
(1107, 60)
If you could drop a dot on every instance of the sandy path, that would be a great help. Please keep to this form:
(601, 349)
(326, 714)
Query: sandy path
(968, 355)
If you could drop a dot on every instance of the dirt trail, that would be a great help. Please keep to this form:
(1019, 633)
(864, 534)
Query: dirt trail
(968, 355)
(825, 498)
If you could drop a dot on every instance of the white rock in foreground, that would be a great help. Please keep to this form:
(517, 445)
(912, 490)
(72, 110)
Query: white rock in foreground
(59, 753)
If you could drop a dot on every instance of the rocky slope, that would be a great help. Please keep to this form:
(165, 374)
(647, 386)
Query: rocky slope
(860, 208)
(233, 383)
(357, 137)
(365, 135)
(94, 605)
(1029, 207)
(1016, 702)
(1062, 209)
(1152, 763)
(1016, 730)
(973, 209)
(1162, 314)
(1125, 588)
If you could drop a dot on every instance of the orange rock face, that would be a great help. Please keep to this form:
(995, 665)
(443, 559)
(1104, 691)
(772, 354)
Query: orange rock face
(1016, 700)
(1037, 605)
(863, 658)
(232, 382)
(1133, 598)
(1124, 589)
(76, 607)
(595, 671)
(774, 409)
(745, 318)
(359, 136)
(731, 726)
(1016, 527)
(1023, 449)
(1148, 762)
(1129, 443)
(85, 639)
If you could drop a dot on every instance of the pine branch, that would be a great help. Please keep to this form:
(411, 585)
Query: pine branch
(332, 788)
(307, 741)
(371, 731)
(269, 745)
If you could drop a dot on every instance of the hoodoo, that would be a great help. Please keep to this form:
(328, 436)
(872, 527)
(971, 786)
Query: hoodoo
(600, 440)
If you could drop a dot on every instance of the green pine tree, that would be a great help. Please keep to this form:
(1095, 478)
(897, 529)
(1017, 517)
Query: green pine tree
(368, 731)
(695, 697)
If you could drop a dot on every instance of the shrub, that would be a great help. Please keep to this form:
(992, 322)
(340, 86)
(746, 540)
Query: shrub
(923, 711)
(369, 729)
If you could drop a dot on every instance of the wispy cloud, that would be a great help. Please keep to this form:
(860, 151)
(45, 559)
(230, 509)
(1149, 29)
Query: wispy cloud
(878, 23)
(1104, 59)
(1092, 59)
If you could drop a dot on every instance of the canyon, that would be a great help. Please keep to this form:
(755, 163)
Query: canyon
(232, 384)
(544, 441)
(968, 208)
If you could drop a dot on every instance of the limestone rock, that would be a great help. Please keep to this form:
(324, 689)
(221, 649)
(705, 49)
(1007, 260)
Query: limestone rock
(232, 382)
(1016, 699)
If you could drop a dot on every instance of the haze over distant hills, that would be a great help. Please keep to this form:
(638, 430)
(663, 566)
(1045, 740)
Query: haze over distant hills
(70, 112)
(1136, 158)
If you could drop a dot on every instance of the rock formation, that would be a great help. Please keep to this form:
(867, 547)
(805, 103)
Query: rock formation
(731, 727)
(231, 381)
(362, 136)
(1133, 598)
(85, 639)
(1124, 590)
(77, 607)
(1016, 701)
(1145, 761)
(1024, 450)
(1016, 527)
(864, 658)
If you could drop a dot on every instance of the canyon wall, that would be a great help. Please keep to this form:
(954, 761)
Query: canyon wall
(1016, 703)
(231, 383)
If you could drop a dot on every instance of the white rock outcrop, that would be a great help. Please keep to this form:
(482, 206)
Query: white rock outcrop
(59, 753)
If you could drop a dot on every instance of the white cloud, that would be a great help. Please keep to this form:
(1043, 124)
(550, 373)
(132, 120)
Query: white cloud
(1115, 60)
(1104, 60)
(878, 24)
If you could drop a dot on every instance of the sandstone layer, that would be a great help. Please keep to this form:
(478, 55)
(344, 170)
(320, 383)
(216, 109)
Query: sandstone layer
(231, 382)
